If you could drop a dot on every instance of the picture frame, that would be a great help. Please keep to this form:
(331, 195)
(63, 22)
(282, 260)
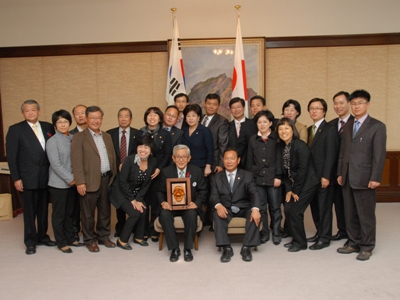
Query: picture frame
(208, 65)
(179, 194)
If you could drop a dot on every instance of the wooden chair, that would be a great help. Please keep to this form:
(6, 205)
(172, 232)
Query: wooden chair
(179, 228)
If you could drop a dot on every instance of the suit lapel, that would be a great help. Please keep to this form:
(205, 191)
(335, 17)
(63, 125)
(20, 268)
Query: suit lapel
(115, 138)
(90, 139)
(362, 127)
(318, 132)
(131, 144)
(31, 136)
(225, 180)
(238, 178)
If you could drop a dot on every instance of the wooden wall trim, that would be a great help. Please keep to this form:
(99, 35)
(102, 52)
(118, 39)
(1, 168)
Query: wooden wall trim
(162, 46)
(2, 150)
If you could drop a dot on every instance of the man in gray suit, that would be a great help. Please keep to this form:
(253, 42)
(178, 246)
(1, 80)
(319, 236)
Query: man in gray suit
(360, 167)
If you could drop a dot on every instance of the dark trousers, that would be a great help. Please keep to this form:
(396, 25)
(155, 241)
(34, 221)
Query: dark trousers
(270, 196)
(339, 209)
(251, 237)
(294, 212)
(89, 203)
(121, 219)
(189, 218)
(321, 210)
(136, 220)
(35, 205)
(359, 209)
(61, 218)
(76, 215)
(153, 209)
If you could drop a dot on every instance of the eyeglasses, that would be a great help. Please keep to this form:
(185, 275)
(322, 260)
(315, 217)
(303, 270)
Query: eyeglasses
(181, 157)
(315, 108)
(62, 122)
(357, 103)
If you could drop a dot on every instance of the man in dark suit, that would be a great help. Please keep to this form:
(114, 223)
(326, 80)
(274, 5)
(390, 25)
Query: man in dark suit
(323, 143)
(94, 165)
(234, 194)
(181, 100)
(182, 169)
(29, 169)
(341, 105)
(361, 162)
(124, 145)
(79, 113)
(240, 129)
(219, 127)
(170, 118)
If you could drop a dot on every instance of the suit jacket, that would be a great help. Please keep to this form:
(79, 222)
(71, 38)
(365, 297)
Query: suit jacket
(219, 127)
(176, 136)
(125, 182)
(86, 159)
(244, 193)
(301, 167)
(26, 158)
(302, 130)
(197, 184)
(116, 141)
(200, 144)
(335, 123)
(362, 158)
(248, 128)
(261, 159)
(163, 147)
(324, 151)
(74, 131)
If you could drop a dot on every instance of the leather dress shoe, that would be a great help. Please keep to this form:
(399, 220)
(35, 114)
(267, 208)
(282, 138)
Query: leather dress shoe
(245, 252)
(339, 236)
(276, 240)
(141, 243)
(187, 255)
(264, 238)
(77, 244)
(66, 250)
(107, 243)
(175, 255)
(313, 239)
(93, 247)
(48, 243)
(30, 250)
(154, 239)
(348, 249)
(125, 247)
(227, 253)
(288, 245)
(319, 245)
(295, 248)
(364, 255)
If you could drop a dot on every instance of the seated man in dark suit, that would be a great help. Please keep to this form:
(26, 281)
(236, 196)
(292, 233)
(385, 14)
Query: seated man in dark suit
(181, 169)
(234, 194)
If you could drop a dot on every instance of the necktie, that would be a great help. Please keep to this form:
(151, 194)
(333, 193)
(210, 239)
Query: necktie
(310, 139)
(238, 128)
(181, 174)
(341, 126)
(35, 130)
(123, 146)
(231, 181)
(356, 127)
(205, 120)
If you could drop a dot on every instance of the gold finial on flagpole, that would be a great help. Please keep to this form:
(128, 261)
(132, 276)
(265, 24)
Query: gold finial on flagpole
(238, 9)
(173, 9)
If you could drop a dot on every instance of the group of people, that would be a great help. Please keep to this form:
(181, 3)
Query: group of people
(244, 168)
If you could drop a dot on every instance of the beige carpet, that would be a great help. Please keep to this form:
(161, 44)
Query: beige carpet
(146, 273)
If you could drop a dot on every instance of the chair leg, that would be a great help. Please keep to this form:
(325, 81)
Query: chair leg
(161, 241)
(255, 248)
(219, 249)
(196, 242)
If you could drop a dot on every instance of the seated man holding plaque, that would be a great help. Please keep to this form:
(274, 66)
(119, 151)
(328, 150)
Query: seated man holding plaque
(182, 192)
(234, 194)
